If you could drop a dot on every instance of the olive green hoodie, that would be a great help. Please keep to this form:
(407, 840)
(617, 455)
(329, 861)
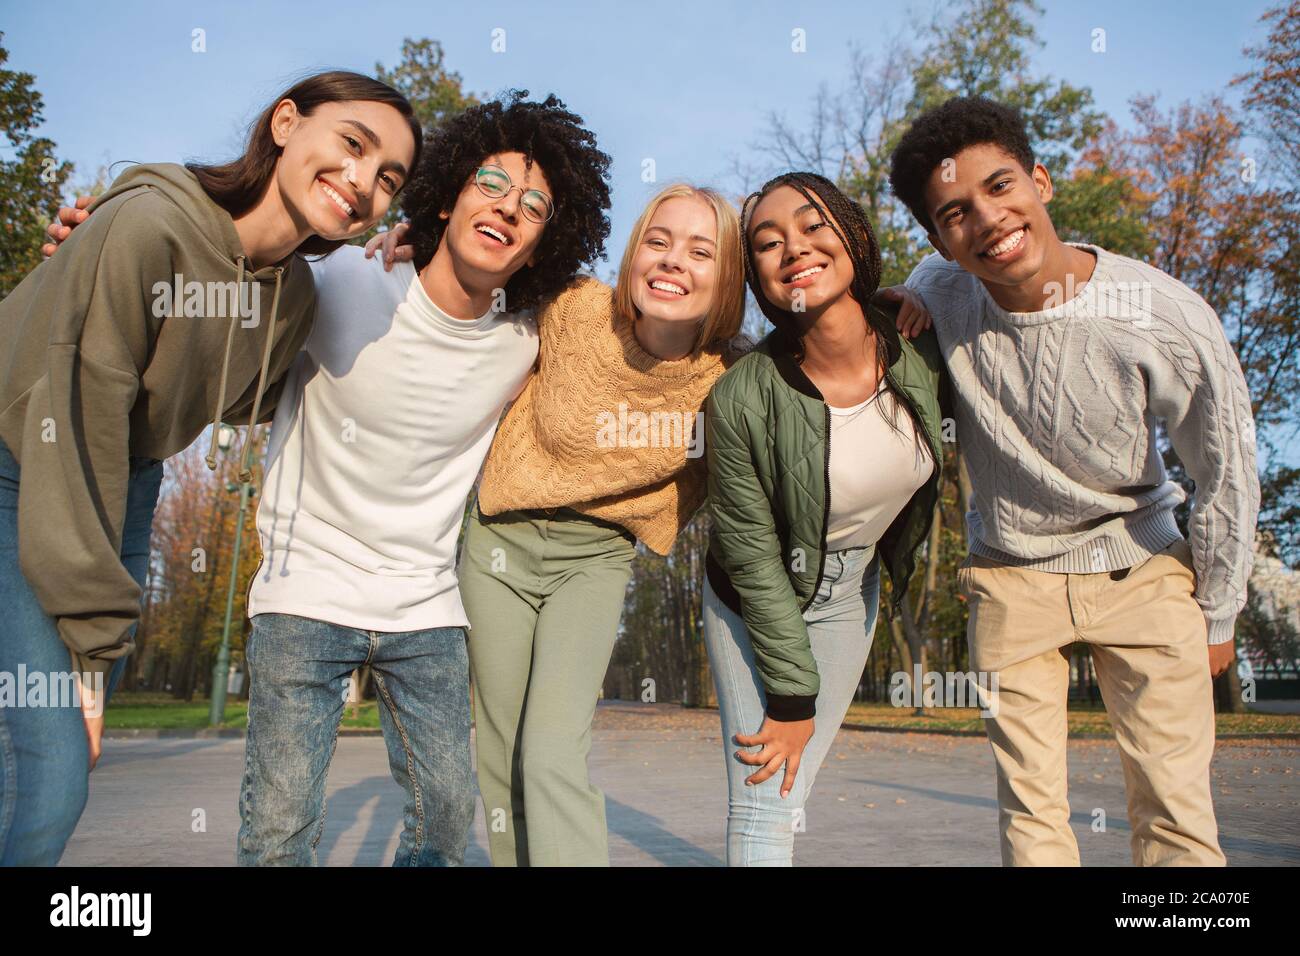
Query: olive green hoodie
(98, 364)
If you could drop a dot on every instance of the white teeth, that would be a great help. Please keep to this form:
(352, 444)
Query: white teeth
(667, 287)
(1007, 244)
(806, 272)
(492, 232)
(333, 194)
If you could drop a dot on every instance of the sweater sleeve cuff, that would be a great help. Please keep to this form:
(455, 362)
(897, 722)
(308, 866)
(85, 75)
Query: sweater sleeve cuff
(791, 708)
(1222, 630)
(92, 686)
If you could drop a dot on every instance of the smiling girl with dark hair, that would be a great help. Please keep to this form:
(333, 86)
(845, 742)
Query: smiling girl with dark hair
(823, 464)
(102, 378)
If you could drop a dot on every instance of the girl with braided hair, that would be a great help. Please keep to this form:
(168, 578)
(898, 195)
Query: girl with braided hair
(823, 464)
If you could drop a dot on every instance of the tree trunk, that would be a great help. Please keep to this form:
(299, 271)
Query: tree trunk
(1227, 692)
(916, 623)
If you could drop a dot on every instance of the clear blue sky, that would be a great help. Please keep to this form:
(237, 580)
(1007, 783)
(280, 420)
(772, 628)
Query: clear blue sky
(688, 84)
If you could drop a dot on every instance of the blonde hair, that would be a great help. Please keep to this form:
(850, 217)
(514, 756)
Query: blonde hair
(727, 311)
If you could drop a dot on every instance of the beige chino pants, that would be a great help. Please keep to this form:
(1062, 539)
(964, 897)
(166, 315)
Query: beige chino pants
(1148, 641)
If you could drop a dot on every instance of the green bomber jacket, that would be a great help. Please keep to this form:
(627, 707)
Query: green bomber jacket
(768, 454)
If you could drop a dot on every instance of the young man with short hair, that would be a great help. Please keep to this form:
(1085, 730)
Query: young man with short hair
(1063, 359)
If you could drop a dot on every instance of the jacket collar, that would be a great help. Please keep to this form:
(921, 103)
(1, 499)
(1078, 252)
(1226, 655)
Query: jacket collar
(781, 345)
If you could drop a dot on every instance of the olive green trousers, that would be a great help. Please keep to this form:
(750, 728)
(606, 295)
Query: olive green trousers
(543, 591)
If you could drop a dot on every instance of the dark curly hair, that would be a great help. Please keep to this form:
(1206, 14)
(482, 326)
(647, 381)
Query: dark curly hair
(546, 133)
(945, 131)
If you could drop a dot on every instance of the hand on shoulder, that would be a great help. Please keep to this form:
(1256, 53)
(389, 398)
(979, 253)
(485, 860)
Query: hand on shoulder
(736, 348)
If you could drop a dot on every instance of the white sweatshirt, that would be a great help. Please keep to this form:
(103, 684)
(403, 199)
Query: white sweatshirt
(383, 424)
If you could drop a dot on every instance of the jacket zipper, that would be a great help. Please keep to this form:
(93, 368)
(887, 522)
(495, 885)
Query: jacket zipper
(826, 514)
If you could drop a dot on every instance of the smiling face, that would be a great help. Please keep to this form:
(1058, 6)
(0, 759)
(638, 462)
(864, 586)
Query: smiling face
(797, 256)
(492, 237)
(342, 165)
(992, 217)
(674, 272)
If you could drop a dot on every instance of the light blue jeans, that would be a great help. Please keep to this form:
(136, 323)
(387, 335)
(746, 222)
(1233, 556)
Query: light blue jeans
(44, 753)
(298, 668)
(841, 620)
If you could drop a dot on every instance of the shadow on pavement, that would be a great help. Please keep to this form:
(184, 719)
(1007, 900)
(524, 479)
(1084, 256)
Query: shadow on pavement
(646, 833)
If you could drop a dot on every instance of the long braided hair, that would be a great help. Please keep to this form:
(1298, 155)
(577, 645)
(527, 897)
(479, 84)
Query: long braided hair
(859, 240)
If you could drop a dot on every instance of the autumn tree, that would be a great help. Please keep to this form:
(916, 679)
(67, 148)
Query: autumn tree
(423, 78)
(1218, 226)
(435, 92)
(976, 47)
(1272, 109)
(31, 182)
(189, 572)
(1272, 88)
(661, 638)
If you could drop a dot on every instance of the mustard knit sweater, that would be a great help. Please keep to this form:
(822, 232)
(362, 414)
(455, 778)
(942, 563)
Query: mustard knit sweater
(565, 442)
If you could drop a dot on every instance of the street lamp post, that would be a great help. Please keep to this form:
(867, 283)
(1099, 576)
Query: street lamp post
(221, 670)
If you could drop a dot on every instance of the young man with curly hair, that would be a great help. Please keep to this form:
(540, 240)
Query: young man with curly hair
(378, 437)
(1064, 357)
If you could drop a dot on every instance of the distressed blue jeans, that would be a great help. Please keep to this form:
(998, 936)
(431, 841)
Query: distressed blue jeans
(841, 621)
(298, 672)
(44, 753)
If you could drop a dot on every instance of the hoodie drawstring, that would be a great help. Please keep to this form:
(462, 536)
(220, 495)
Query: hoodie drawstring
(245, 473)
(225, 371)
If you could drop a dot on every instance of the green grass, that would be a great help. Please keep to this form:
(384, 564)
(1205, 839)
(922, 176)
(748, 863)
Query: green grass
(1083, 719)
(150, 711)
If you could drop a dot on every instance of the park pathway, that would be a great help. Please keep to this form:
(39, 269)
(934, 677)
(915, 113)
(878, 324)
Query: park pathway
(880, 799)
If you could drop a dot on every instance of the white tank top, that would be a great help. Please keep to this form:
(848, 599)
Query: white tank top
(875, 469)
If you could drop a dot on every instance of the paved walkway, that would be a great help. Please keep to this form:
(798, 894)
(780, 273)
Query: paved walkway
(880, 799)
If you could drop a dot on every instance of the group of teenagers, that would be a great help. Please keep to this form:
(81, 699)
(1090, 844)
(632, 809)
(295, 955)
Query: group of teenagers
(467, 345)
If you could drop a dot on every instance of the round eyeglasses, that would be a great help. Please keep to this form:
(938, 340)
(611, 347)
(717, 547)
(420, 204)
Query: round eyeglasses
(495, 182)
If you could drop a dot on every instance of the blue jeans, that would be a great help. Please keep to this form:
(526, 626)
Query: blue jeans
(44, 753)
(841, 620)
(298, 669)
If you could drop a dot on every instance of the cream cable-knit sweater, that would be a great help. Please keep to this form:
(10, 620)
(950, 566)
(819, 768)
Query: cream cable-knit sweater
(1056, 418)
(604, 427)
